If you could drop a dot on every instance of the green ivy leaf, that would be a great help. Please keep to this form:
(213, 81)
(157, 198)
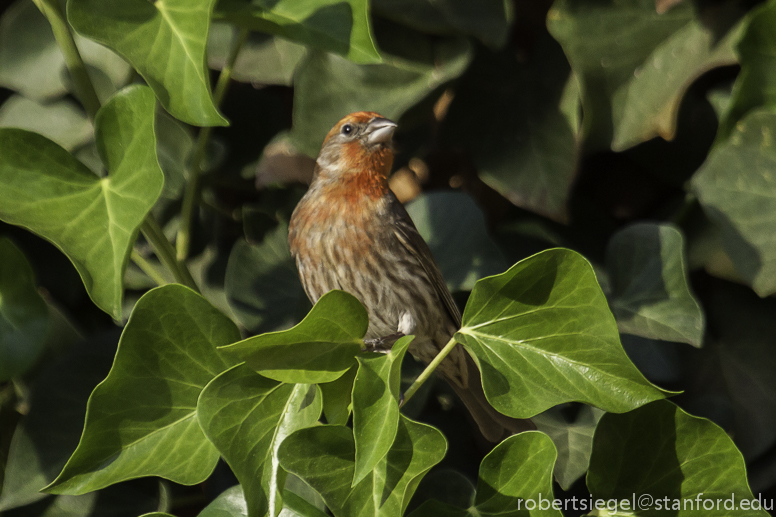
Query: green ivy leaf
(737, 192)
(240, 400)
(755, 84)
(488, 21)
(142, 419)
(528, 153)
(94, 221)
(376, 406)
(636, 68)
(320, 348)
(454, 227)
(542, 334)
(231, 503)
(262, 284)
(515, 476)
(24, 316)
(327, 87)
(324, 457)
(659, 451)
(340, 26)
(338, 398)
(165, 41)
(651, 295)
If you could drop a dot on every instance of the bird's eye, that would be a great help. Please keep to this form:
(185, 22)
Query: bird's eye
(347, 129)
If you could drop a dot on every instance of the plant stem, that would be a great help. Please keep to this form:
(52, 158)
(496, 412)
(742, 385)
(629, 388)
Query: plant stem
(164, 250)
(52, 10)
(148, 268)
(191, 194)
(423, 377)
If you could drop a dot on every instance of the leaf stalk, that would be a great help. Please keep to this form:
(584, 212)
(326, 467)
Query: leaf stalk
(425, 374)
(52, 10)
(166, 253)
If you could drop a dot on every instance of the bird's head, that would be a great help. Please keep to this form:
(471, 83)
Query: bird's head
(359, 143)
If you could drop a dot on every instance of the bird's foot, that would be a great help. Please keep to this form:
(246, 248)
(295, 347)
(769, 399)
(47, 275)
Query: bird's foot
(382, 345)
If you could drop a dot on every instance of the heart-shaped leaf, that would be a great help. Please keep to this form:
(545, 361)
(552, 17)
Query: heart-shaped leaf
(94, 221)
(247, 417)
(320, 348)
(668, 460)
(24, 316)
(340, 26)
(165, 41)
(542, 334)
(650, 292)
(515, 479)
(376, 406)
(324, 457)
(142, 419)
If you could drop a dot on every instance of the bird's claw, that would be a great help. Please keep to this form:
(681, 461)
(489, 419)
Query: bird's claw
(377, 345)
(382, 345)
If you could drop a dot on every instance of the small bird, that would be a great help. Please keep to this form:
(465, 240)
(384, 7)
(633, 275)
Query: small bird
(349, 232)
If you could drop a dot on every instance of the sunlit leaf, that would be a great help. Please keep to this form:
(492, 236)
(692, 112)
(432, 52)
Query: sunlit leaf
(142, 419)
(542, 334)
(324, 457)
(165, 41)
(514, 479)
(240, 400)
(319, 349)
(94, 221)
(376, 406)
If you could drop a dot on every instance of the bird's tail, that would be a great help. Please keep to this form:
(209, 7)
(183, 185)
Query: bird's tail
(493, 425)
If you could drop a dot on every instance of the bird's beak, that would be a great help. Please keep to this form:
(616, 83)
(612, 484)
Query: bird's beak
(380, 131)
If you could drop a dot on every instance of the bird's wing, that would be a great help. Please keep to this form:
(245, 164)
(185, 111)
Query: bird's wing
(408, 235)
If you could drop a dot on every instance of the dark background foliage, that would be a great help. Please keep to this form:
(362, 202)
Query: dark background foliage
(637, 133)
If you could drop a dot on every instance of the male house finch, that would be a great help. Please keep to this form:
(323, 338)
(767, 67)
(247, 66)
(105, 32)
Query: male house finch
(349, 232)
